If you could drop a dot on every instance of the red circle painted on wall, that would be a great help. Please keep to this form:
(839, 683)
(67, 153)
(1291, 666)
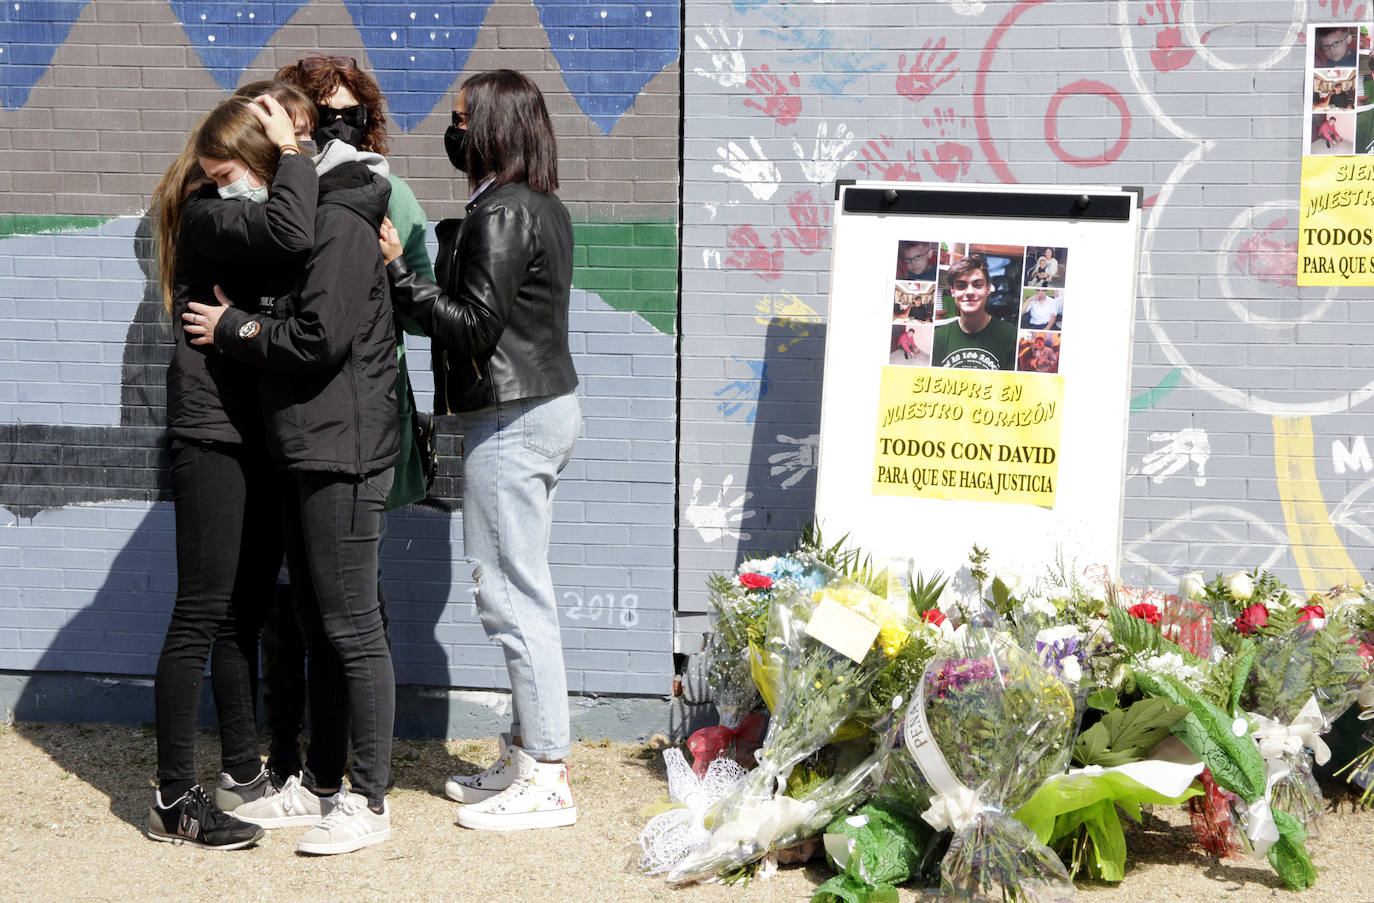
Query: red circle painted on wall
(1099, 89)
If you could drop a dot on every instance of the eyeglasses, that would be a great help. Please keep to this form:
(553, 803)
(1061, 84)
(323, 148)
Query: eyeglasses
(1334, 44)
(311, 63)
(460, 120)
(355, 115)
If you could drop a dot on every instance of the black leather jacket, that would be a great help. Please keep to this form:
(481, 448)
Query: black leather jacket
(499, 313)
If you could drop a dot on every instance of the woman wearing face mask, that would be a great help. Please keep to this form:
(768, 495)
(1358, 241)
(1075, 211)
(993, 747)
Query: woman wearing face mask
(350, 108)
(326, 354)
(260, 207)
(499, 321)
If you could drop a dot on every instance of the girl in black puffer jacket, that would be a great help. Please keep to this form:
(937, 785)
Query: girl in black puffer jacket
(327, 377)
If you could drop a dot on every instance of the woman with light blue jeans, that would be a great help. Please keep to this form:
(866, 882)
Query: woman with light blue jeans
(498, 316)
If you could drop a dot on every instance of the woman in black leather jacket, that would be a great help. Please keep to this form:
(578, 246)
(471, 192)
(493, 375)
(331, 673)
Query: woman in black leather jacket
(499, 321)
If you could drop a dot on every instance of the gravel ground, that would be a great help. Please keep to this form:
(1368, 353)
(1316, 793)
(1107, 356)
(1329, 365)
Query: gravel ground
(75, 800)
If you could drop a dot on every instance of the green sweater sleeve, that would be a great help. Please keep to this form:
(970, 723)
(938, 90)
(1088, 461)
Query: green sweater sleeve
(410, 224)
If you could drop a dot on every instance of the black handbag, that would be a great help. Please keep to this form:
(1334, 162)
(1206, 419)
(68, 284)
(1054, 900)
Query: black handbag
(422, 434)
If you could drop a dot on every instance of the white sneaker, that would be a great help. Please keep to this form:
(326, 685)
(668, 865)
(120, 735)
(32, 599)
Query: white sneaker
(539, 797)
(473, 788)
(350, 825)
(291, 805)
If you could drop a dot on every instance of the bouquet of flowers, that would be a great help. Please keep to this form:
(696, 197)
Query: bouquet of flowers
(987, 726)
(822, 651)
(1303, 679)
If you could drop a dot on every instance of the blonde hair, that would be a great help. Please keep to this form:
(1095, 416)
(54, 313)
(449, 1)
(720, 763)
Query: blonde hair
(230, 132)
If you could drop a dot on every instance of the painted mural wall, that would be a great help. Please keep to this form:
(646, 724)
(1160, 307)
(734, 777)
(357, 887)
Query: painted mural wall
(1249, 434)
(95, 100)
(1249, 416)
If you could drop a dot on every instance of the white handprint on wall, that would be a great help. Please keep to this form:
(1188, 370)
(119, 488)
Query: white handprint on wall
(827, 154)
(1179, 448)
(727, 63)
(758, 173)
(719, 518)
(797, 461)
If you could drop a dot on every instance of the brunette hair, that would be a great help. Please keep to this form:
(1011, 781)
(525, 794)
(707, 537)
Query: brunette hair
(230, 132)
(510, 137)
(967, 265)
(319, 83)
(297, 105)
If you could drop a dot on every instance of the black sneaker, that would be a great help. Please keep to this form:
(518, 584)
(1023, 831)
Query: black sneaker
(229, 795)
(194, 818)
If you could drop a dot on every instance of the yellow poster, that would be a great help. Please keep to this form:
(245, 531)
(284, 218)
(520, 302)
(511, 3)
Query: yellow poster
(1335, 240)
(976, 435)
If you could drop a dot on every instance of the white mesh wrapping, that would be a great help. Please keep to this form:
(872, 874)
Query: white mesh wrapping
(669, 837)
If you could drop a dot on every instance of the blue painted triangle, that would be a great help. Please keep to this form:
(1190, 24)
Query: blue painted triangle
(416, 49)
(609, 51)
(30, 33)
(228, 37)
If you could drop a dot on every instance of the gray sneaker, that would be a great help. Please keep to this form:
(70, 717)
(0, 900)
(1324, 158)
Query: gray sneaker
(291, 805)
(350, 825)
(229, 795)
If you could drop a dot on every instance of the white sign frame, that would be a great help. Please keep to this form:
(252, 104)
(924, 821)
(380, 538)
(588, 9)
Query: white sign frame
(1084, 525)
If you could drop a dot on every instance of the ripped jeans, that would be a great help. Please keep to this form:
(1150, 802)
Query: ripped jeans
(513, 453)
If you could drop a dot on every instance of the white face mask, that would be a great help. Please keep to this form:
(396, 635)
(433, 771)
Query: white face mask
(239, 189)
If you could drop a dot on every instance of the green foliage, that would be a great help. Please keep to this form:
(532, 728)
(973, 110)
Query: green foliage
(1127, 735)
(888, 849)
(1289, 856)
(1139, 637)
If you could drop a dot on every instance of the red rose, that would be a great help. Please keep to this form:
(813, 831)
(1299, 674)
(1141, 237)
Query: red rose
(755, 581)
(1366, 651)
(1308, 612)
(1145, 612)
(935, 616)
(1252, 618)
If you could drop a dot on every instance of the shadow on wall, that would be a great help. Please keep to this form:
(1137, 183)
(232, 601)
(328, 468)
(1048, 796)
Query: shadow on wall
(97, 664)
(781, 479)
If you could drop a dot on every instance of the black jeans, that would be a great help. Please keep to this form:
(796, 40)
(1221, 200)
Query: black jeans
(229, 546)
(284, 687)
(332, 535)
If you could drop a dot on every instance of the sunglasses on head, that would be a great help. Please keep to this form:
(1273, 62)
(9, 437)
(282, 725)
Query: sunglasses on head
(355, 115)
(460, 120)
(319, 62)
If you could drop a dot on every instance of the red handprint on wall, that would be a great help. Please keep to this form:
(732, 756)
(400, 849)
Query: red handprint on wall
(1339, 8)
(926, 72)
(813, 223)
(877, 164)
(778, 102)
(1169, 53)
(750, 253)
(951, 160)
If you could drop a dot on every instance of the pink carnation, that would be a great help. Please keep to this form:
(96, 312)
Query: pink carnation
(755, 581)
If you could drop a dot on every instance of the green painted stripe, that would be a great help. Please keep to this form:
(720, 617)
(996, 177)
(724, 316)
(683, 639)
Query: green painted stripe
(12, 224)
(632, 266)
(1148, 399)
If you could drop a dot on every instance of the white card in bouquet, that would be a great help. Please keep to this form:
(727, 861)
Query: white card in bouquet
(842, 629)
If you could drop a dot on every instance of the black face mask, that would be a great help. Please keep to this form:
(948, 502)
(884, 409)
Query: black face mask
(456, 146)
(348, 134)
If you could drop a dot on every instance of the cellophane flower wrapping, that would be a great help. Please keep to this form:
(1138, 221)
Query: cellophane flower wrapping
(1002, 723)
(816, 689)
(1302, 680)
(739, 605)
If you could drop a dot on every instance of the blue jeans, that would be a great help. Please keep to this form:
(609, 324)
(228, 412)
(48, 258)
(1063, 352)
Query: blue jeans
(513, 453)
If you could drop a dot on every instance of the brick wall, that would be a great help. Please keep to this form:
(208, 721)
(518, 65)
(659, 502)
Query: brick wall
(98, 97)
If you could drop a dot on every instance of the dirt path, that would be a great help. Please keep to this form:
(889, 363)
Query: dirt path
(73, 799)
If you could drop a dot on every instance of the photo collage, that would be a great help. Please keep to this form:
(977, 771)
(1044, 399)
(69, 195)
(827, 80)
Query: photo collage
(1341, 116)
(978, 306)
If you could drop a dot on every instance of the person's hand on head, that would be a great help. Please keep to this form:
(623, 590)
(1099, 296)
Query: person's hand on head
(276, 122)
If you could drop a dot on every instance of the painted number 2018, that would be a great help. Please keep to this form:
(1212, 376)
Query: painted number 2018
(625, 607)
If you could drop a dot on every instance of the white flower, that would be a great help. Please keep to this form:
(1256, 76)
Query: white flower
(1035, 605)
(1172, 663)
(1068, 668)
(1240, 586)
(1192, 586)
(1051, 635)
(1010, 579)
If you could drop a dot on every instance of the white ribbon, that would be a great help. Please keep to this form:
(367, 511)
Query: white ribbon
(955, 810)
(1277, 739)
(1366, 701)
(763, 823)
(1162, 777)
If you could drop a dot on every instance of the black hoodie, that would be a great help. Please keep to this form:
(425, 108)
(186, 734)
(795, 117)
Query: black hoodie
(328, 389)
